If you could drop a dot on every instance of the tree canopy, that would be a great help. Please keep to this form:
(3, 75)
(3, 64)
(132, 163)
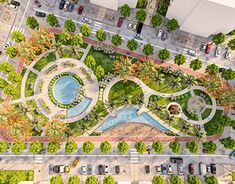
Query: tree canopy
(158, 147)
(158, 180)
(125, 10)
(101, 35)
(90, 61)
(71, 146)
(209, 147)
(172, 25)
(193, 146)
(17, 36)
(231, 44)
(156, 20)
(164, 54)
(32, 23)
(175, 147)
(218, 38)
(141, 15)
(53, 147)
(132, 44)
(105, 147)
(91, 180)
(140, 147)
(108, 180)
(35, 147)
(85, 29)
(228, 142)
(18, 147)
(212, 69)
(180, 59)
(69, 25)
(148, 49)
(122, 147)
(196, 64)
(52, 20)
(88, 147)
(116, 39)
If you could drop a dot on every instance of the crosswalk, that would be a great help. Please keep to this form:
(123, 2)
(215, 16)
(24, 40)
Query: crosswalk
(97, 26)
(16, 28)
(38, 159)
(134, 156)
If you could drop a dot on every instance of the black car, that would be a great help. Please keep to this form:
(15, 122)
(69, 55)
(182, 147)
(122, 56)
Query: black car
(16, 3)
(101, 170)
(117, 169)
(176, 160)
(139, 28)
(147, 169)
(71, 7)
(40, 14)
(61, 6)
(213, 169)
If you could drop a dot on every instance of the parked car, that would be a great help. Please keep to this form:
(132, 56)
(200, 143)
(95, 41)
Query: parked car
(163, 168)
(101, 169)
(71, 7)
(164, 36)
(61, 169)
(213, 169)
(218, 51)
(203, 46)
(84, 169)
(13, 7)
(75, 161)
(221, 69)
(191, 168)
(158, 169)
(232, 155)
(80, 10)
(61, 6)
(227, 55)
(192, 53)
(117, 169)
(7, 44)
(134, 26)
(66, 6)
(169, 169)
(40, 14)
(16, 3)
(89, 169)
(202, 168)
(180, 169)
(120, 21)
(138, 36)
(208, 169)
(208, 48)
(159, 33)
(106, 169)
(177, 160)
(140, 27)
(130, 25)
(86, 20)
(147, 169)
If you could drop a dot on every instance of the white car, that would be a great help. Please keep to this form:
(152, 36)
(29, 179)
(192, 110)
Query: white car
(84, 169)
(7, 44)
(106, 169)
(180, 169)
(86, 20)
(66, 6)
(228, 55)
(13, 7)
(130, 25)
(159, 33)
(218, 51)
(169, 169)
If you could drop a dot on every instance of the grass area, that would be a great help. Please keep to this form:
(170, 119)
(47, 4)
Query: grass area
(166, 87)
(206, 96)
(15, 176)
(213, 127)
(129, 89)
(44, 61)
(18, 86)
(29, 86)
(206, 113)
(162, 10)
(71, 53)
(233, 176)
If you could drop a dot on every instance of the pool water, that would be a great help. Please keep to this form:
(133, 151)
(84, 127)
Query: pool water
(65, 89)
(130, 115)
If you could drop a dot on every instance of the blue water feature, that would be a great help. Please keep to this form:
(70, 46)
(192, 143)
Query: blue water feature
(65, 89)
(79, 108)
(130, 115)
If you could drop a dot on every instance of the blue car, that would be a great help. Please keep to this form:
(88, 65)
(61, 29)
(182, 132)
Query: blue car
(89, 169)
(163, 168)
(232, 155)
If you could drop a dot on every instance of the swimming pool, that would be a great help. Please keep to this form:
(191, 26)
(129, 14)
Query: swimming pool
(130, 115)
(65, 89)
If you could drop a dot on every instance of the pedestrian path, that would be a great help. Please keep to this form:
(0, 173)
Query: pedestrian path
(97, 26)
(134, 156)
(38, 159)
(16, 28)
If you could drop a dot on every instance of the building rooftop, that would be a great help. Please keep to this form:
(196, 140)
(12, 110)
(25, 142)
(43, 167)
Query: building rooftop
(230, 3)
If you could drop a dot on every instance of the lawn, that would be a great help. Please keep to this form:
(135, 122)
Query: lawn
(18, 86)
(233, 176)
(29, 86)
(70, 53)
(129, 89)
(44, 61)
(206, 113)
(207, 97)
(15, 176)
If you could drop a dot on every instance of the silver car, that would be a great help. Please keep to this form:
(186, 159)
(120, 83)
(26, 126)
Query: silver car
(160, 33)
(86, 20)
(130, 25)
(227, 55)
(218, 51)
(180, 169)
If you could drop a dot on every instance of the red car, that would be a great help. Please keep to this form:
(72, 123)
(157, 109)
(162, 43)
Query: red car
(208, 48)
(80, 9)
(120, 21)
(191, 168)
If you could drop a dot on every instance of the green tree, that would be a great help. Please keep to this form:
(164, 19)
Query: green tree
(148, 49)
(14, 77)
(85, 29)
(2, 1)
(116, 39)
(180, 59)
(176, 180)
(212, 69)
(158, 147)
(90, 61)
(71, 146)
(69, 25)
(6, 67)
(74, 180)
(105, 147)
(3, 83)
(164, 54)
(141, 3)
(91, 180)
(122, 147)
(99, 72)
(132, 44)
(17, 36)
(9, 90)
(193, 146)
(52, 20)
(196, 64)
(53, 147)
(172, 25)
(56, 180)
(218, 38)
(231, 44)
(64, 38)
(32, 23)
(125, 10)
(175, 147)
(194, 180)
(101, 35)
(108, 180)
(158, 180)
(35, 147)
(211, 180)
(11, 51)
(140, 147)
(228, 74)
(228, 142)
(76, 40)
(18, 147)
(209, 147)
(141, 15)
(156, 20)
(4, 146)
(88, 147)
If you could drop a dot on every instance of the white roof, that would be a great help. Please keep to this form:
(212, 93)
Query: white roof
(230, 3)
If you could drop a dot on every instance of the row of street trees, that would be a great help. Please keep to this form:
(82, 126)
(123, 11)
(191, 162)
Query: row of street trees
(220, 38)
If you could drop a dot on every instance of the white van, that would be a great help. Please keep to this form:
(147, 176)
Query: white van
(202, 168)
